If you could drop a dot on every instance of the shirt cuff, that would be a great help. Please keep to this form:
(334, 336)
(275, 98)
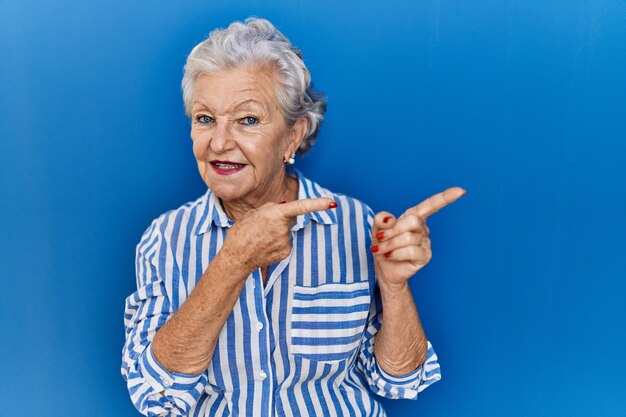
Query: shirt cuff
(406, 380)
(408, 385)
(179, 390)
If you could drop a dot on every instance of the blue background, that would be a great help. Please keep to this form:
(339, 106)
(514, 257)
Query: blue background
(520, 102)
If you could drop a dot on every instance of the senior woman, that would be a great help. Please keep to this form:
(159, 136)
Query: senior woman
(265, 295)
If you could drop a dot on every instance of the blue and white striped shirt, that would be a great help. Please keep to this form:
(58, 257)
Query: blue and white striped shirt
(302, 345)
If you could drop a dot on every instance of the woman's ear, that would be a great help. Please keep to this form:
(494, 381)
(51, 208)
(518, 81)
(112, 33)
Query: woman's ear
(297, 134)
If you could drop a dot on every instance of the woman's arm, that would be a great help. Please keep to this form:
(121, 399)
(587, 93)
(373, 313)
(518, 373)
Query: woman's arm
(401, 248)
(187, 341)
(401, 344)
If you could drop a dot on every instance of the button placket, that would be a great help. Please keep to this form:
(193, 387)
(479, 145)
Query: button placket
(263, 371)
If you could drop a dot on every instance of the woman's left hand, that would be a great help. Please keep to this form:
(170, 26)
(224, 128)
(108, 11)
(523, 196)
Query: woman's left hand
(401, 246)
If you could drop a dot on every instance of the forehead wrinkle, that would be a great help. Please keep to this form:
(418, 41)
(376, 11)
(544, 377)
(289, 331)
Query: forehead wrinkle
(250, 91)
(262, 105)
(200, 104)
(235, 106)
(201, 100)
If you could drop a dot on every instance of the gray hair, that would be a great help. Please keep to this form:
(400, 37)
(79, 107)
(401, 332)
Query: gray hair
(258, 42)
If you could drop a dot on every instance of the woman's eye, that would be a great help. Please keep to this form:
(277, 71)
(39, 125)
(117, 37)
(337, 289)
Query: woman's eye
(249, 121)
(204, 119)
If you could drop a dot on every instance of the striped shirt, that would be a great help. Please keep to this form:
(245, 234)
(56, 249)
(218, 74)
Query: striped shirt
(300, 345)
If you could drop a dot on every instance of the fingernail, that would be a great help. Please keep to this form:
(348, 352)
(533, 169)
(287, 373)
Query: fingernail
(386, 219)
(332, 205)
(388, 254)
(282, 202)
(380, 235)
(375, 248)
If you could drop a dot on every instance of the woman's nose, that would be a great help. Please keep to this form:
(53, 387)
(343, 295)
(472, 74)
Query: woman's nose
(222, 139)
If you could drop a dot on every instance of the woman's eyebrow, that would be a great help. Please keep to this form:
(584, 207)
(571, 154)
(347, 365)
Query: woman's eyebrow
(200, 104)
(242, 103)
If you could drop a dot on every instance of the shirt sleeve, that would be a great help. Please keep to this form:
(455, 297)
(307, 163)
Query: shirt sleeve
(153, 390)
(381, 383)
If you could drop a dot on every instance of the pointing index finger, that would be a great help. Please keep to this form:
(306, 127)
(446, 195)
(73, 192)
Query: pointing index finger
(438, 201)
(307, 205)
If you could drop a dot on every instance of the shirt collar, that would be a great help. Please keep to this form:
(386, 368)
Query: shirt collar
(212, 211)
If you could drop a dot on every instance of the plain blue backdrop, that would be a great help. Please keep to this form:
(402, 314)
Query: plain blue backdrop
(522, 103)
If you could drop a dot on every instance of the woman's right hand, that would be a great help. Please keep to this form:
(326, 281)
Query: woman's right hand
(263, 236)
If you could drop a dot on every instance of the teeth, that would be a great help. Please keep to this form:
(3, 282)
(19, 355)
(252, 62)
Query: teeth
(228, 166)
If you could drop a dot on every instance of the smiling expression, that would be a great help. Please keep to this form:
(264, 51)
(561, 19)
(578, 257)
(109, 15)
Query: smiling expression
(239, 134)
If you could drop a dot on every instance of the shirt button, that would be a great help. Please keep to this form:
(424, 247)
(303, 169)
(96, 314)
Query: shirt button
(259, 325)
(167, 382)
(262, 375)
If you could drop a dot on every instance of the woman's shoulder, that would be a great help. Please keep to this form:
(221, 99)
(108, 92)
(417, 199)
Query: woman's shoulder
(354, 206)
(345, 202)
(171, 221)
(350, 201)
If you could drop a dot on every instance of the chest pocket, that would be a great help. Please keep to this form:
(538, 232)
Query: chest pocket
(328, 320)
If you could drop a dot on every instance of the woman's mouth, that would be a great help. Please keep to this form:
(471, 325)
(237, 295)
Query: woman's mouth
(226, 167)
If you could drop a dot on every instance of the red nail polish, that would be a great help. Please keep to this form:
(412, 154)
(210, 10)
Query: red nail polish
(282, 202)
(388, 254)
(332, 205)
(380, 235)
(386, 219)
(375, 248)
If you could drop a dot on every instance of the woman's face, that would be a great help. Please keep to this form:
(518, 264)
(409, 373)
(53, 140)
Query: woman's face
(239, 134)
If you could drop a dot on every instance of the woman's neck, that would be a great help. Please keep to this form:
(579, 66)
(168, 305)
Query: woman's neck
(284, 190)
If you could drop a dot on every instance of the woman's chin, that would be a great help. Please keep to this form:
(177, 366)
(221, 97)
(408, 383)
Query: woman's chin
(227, 192)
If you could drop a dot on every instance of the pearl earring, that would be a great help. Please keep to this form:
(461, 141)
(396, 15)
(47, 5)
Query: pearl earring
(291, 159)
